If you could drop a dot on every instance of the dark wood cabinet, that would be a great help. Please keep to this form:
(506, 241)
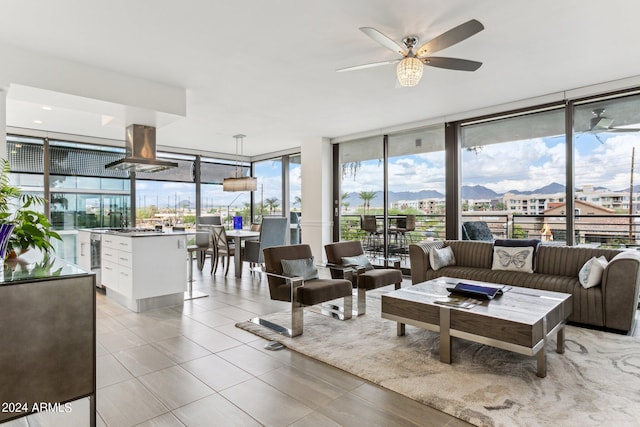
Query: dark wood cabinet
(47, 340)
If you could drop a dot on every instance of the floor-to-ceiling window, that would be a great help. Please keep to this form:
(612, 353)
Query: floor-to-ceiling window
(295, 183)
(167, 197)
(414, 188)
(361, 174)
(215, 201)
(268, 196)
(82, 193)
(606, 142)
(513, 174)
(416, 182)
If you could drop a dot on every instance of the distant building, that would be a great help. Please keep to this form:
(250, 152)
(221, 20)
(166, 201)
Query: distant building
(531, 204)
(593, 223)
(428, 206)
(618, 200)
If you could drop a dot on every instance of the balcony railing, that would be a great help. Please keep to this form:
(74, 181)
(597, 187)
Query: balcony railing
(603, 230)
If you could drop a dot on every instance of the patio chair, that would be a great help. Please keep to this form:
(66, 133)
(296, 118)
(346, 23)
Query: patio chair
(404, 224)
(293, 277)
(369, 224)
(349, 257)
(476, 230)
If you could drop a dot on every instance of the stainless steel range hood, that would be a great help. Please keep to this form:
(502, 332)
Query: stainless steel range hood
(140, 153)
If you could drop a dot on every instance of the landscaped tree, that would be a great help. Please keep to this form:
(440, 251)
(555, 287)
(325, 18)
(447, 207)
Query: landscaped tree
(366, 197)
(343, 201)
(271, 203)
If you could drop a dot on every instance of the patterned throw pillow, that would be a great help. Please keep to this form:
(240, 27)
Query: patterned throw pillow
(304, 267)
(590, 274)
(439, 258)
(513, 258)
(357, 261)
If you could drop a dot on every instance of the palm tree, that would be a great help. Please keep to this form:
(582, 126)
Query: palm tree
(271, 203)
(343, 201)
(366, 197)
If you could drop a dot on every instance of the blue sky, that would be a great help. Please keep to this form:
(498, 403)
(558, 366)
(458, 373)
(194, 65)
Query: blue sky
(520, 165)
(269, 185)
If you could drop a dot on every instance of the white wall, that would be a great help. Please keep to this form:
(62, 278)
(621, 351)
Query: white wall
(317, 197)
(3, 122)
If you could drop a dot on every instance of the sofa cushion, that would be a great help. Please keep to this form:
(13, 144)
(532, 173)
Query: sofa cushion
(471, 253)
(590, 274)
(513, 258)
(567, 261)
(439, 258)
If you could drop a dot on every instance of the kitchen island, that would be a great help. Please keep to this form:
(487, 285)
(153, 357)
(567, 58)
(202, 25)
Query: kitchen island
(143, 270)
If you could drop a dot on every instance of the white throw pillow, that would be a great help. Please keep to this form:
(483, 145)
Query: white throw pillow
(513, 258)
(590, 274)
(439, 258)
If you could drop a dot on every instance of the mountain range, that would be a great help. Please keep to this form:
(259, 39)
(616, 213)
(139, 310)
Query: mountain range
(469, 192)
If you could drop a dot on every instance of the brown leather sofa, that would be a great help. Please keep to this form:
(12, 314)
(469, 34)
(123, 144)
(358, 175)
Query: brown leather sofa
(611, 305)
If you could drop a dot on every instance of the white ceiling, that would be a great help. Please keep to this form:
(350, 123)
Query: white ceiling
(267, 68)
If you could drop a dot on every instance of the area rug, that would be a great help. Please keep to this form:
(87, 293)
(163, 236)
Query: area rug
(595, 382)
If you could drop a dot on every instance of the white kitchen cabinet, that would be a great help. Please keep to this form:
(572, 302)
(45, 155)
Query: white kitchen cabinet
(144, 271)
(84, 249)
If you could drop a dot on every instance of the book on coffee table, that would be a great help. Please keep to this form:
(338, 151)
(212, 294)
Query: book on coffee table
(458, 301)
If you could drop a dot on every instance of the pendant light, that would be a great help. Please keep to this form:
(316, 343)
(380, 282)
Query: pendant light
(239, 182)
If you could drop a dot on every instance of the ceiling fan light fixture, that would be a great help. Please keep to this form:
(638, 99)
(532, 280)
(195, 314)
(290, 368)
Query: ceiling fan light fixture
(409, 71)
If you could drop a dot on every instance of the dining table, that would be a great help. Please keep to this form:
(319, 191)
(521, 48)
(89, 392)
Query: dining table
(238, 236)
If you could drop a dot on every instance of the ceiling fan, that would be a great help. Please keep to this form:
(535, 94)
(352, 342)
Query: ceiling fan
(600, 123)
(410, 66)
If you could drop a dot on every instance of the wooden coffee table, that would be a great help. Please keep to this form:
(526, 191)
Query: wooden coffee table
(521, 320)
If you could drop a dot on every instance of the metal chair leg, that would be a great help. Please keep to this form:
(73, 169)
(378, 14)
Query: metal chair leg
(361, 295)
(297, 314)
(348, 307)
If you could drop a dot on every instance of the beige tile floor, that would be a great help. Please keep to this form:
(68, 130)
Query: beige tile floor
(190, 366)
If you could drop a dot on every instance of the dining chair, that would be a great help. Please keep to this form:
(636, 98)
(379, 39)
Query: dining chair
(293, 277)
(199, 247)
(273, 232)
(348, 257)
(224, 249)
(210, 220)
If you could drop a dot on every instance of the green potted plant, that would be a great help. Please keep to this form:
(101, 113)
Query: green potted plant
(21, 227)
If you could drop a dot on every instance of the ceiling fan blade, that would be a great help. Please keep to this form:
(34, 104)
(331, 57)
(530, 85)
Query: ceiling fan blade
(601, 123)
(451, 63)
(384, 40)
(451, 37)
(371, 65)
(619, 130)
